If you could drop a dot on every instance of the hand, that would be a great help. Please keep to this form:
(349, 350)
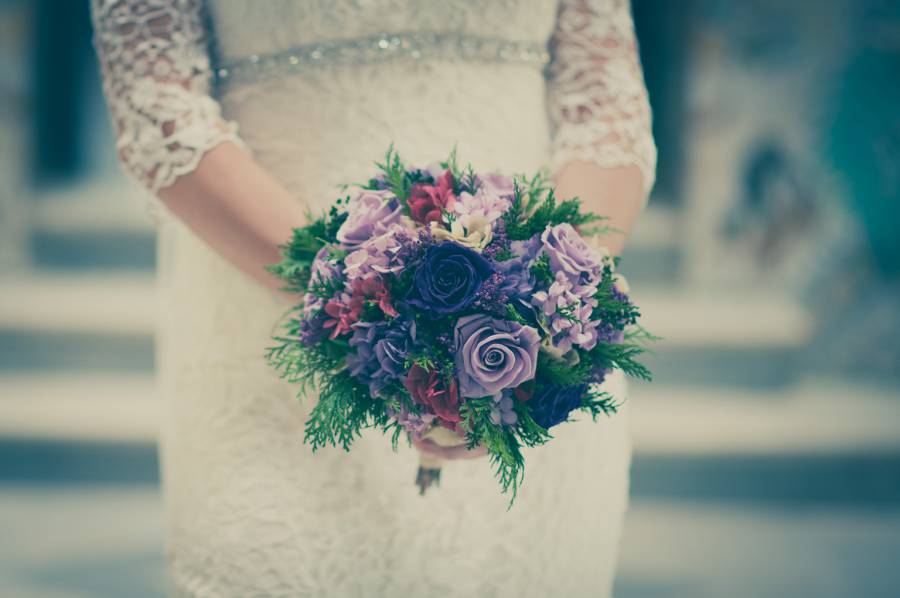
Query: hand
(615, 193)
(430, 448)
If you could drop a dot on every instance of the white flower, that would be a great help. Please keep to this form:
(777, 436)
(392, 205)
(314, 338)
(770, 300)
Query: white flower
(476, 233)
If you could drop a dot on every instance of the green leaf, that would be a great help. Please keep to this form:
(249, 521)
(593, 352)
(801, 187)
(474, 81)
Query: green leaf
(395, 174)
(552, 370)
(542, 271)
(622, 356)
(598, 402)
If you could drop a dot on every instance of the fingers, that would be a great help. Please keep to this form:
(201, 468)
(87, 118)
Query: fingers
(430, 448)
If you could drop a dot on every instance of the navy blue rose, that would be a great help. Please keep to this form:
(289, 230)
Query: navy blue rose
(448, 278)
(552, 404)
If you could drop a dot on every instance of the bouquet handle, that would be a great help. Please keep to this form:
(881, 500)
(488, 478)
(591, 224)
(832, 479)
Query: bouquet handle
(429, 473)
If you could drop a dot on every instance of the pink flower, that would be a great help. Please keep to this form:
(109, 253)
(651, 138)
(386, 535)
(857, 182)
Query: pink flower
(343, 313)
(426, 202)
(431, 390)
(374, 289)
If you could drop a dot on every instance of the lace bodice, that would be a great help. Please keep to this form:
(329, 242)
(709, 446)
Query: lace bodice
(156, 62)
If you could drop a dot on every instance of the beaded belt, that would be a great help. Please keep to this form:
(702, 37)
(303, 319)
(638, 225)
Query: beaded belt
(381, 48)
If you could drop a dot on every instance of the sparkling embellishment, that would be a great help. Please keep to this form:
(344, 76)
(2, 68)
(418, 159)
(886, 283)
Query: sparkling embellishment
(381, 48)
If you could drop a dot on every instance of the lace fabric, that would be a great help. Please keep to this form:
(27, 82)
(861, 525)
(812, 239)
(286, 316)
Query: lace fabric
(156, 75)
(156, 72)
(597, 100)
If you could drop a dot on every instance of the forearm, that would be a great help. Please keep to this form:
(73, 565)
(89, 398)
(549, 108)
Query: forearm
(615, 193)
(238, 209)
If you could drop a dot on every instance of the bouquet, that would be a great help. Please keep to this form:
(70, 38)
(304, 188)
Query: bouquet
(455, 306)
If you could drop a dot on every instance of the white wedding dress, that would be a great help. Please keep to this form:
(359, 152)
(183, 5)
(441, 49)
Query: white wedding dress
(316, 90)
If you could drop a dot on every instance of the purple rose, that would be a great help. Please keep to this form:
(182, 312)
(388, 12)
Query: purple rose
(380, 353)
(552, 404)
(363, 364)
(527, 250)
(391, 351)
(369, 214)
(518, 282)
(569, 253)
(483, 206)
(492, 355)
(497, 184)
(448, 278)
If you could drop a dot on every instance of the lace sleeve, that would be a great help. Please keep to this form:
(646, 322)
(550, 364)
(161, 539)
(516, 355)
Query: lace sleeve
(597, 100)
(156, 73)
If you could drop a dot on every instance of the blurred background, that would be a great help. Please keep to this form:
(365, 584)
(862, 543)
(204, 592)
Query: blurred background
(767, 450)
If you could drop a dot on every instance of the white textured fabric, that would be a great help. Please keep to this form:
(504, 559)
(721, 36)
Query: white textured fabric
(250, 510)
(155, 64)
(597, 98)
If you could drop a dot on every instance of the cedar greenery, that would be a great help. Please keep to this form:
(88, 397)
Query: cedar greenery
(541, 270)
(534, 208)
(501, 443)
(554, 371)
(597, 403)
(395, 175)
(298, 253)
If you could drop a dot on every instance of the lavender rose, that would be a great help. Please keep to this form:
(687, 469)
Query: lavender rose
(497, 184)
(518, 282)
(369, 214)
(492, 355)
(381, 351)
(363, 363)
(448, 279)
(569, 253)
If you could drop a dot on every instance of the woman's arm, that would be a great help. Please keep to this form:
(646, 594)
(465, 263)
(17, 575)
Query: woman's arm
(603, 149)
(616, 193)
(237, 208)
(171, 137)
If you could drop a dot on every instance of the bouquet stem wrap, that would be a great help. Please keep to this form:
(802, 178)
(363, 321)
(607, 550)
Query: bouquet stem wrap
(430, 465)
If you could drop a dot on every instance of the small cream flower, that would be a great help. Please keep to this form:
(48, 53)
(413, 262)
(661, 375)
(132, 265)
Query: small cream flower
(620, 283)
(570, 358)
(473, 231)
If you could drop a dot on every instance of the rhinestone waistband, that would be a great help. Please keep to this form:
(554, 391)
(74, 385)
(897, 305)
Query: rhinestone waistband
(381, 48)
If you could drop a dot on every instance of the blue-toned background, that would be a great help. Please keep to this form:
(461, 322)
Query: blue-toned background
(768, 450)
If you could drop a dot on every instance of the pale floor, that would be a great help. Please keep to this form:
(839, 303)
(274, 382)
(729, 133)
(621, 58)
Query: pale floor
(104, 542)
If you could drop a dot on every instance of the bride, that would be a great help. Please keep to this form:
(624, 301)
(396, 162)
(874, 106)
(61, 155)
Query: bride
(242, 116)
